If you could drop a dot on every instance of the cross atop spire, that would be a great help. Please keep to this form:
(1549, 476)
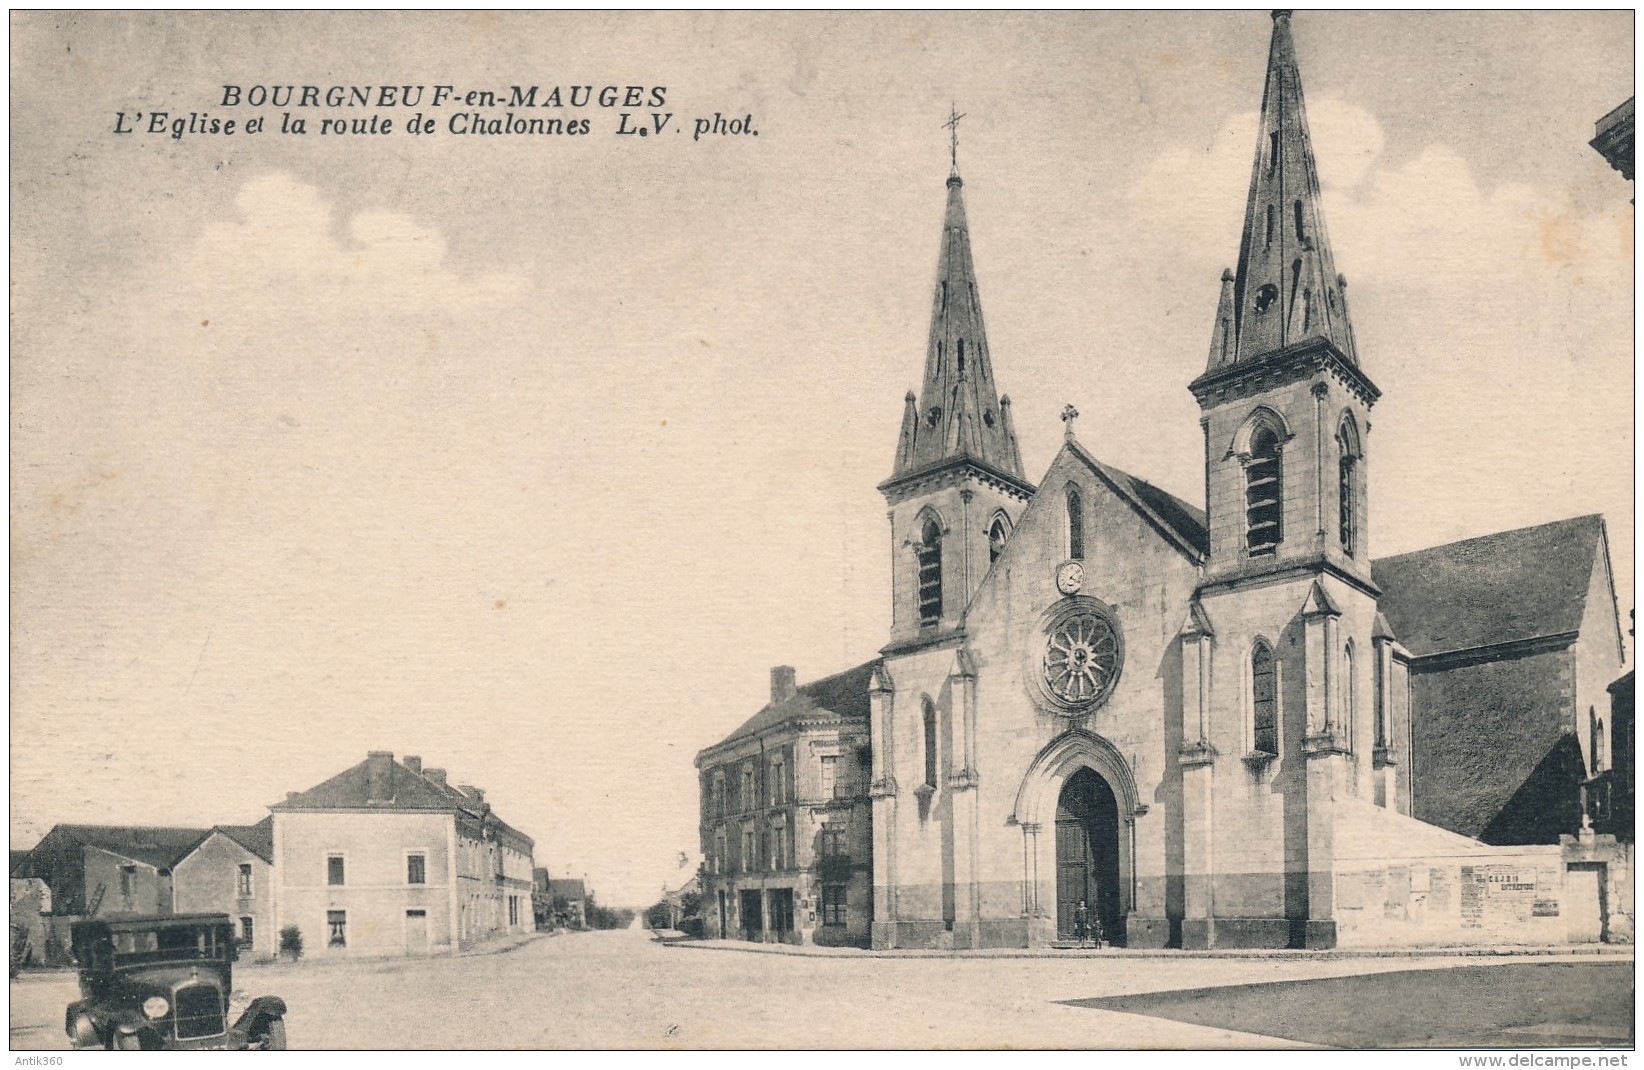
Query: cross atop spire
(952, 125)
(1286, 289)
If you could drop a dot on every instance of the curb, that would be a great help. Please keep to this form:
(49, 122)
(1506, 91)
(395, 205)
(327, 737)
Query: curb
(1618, 952)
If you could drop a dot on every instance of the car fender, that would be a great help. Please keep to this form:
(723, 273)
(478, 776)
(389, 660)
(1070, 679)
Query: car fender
(251, 1022)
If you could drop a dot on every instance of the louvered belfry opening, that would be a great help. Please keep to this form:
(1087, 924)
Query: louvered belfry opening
(930, 574)
(1264, 495)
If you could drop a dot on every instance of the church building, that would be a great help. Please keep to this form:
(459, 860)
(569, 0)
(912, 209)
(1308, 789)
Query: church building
(1103, 706)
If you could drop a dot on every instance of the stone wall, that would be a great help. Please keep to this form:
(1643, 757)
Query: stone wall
(1399, 882)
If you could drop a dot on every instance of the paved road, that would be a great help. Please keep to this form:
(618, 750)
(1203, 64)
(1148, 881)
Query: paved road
(618, 989)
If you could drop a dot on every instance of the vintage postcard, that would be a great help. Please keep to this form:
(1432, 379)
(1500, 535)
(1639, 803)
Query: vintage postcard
(529, 506)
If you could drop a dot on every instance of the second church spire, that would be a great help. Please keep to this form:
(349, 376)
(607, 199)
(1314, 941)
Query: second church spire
(1286, 289)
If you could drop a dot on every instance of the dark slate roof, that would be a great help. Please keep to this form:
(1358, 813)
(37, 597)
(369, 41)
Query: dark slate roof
(18, 860)
(159, 847)
(258, 838)
(1493, 589)
(407, 790)
(350, 789)
(845, 694)
(1186, 522)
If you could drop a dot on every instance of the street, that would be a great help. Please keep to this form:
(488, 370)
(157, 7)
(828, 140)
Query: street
(621, 990)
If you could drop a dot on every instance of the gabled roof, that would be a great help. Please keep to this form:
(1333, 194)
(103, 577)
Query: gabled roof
(844, 694)
(157, 846)
(258, 838)
(1513, 585)
(1185, 523)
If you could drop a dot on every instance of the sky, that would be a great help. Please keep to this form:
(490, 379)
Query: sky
(532, 455)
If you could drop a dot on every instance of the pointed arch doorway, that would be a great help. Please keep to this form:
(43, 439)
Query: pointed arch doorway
(1087, 854)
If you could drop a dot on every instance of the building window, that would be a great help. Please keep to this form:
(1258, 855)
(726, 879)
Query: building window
(998, 535)
(336, 923)
(247, 932)
(930, 744)
(1264, 494)
(334, 869)
(1075, 523)
(719, 794)
(513, 910)
(244, 886)
(779, 784)
(719, 851)
(750, 849)
(128, 881)
(830, 773)
(833, 842)
(930, 573)
(779, 845)
(1347, 472)
(416, 868)
(748, 799)
(1347, 709)
(1264, 700)
(833, 904)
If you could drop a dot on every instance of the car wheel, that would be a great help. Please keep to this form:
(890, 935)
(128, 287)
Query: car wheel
(274, 1035)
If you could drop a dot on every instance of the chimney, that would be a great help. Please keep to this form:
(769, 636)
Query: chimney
(782, 684)
(477, 794)
(435, 774)
(291, 797)
(413, 763)
(379, 776)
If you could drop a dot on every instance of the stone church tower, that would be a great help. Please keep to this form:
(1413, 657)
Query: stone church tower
(1287, 600)
(957, 486)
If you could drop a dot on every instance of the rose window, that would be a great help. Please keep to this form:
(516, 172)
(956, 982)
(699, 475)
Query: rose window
(1082, 659)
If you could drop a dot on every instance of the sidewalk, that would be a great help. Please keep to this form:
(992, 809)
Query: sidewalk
(1610, 951)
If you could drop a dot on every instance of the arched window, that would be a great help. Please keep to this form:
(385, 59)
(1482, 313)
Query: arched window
(930, 572)
(1347, 449)
(1347, 708)
(930, 744)
(1264, 493)
(1075, 523)
(1264, 700)
(998, 535)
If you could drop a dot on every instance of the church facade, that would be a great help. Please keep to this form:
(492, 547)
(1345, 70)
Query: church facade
(1104, 706)
(1106, 711)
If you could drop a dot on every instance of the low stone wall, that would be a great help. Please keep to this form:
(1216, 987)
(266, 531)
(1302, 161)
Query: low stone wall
(1403, 883)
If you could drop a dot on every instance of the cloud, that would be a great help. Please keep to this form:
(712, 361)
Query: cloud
(285, 241)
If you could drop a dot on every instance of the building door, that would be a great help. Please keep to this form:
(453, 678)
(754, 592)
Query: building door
(781, 912)
(1584, 901)
(1087, 856)
(753, 916)
(416, 932)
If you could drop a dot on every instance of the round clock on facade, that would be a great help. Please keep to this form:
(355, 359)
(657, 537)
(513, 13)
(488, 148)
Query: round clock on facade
(1070, 577)
(1079, 657)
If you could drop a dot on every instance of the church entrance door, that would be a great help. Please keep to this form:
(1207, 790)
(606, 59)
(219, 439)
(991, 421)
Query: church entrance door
(1087, 856)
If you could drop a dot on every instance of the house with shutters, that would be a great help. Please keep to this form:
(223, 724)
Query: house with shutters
(389, 858)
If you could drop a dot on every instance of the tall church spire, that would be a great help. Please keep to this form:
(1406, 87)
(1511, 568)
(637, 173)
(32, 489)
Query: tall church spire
(1286, 289)
(958, 414)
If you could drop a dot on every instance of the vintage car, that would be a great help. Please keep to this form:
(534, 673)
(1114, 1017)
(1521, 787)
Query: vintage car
(150, 982)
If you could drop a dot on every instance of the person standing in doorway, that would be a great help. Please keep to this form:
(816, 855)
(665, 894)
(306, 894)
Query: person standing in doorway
(1081, 923)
